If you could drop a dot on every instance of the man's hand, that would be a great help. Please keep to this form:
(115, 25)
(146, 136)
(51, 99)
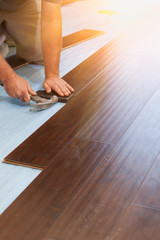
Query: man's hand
(57, 84)
(17, 87)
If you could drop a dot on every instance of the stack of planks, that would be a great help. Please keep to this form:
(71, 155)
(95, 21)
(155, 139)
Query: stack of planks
(100, 153)
(64, 2)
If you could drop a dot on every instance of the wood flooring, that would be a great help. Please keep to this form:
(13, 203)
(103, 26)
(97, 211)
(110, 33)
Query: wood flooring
(16, 62)
(68, 41)
(79, 37)
(65, 2)
(100, 153)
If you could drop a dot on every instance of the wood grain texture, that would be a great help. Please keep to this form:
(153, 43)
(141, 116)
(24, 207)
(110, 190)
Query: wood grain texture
(139, 224)
(97, 209)
(54, 189)
(148, 194)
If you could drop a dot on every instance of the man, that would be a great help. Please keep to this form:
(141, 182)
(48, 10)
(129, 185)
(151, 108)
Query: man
(36, 27)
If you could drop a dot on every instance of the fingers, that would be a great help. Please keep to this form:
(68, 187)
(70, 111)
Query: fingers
(30, 90)
(62, 90)
(25, 93)
(27, 98)
(65, 90)
(58, 85)
(58, 90)
(69, 87)
(47, 87)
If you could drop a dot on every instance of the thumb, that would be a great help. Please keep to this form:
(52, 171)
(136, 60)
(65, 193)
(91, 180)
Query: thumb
(31, 91)
(47, 87)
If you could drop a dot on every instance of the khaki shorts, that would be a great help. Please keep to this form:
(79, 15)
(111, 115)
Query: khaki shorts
(23, 25)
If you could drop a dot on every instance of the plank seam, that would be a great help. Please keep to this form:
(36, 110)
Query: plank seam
(143, 206)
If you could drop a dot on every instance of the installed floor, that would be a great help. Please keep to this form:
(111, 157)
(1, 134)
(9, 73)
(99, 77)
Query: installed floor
(101, 178)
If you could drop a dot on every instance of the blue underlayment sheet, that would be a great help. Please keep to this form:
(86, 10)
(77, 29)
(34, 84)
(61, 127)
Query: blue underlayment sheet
(17, 124)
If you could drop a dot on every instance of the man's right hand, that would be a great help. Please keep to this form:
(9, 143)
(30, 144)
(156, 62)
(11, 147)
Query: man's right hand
(17, 87)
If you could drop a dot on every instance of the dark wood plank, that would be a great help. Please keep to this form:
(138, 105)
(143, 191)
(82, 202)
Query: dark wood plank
(54, 189)
(79, 37)
(139, 224)
(16, 62)
(149, 195)
(65, 2)
(101, 203)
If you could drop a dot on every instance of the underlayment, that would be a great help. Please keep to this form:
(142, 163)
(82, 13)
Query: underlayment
(17, 123)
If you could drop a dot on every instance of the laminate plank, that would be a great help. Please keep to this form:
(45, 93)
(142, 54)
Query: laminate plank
(148, 194)
(79, 37)
(52, 191)
(64, 124)
(99, 206)
(140, 223)
(65, 2)
(15, 62)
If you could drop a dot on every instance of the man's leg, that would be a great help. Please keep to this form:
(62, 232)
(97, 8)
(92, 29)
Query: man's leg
(3, 46)
(23, 25)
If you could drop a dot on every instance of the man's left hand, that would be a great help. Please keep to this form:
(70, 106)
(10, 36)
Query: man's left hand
(56, 83)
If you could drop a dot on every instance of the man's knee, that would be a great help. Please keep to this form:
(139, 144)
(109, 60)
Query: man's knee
(3, 45)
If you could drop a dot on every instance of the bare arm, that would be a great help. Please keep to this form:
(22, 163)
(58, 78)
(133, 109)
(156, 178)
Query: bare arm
(51, 25)
(15, 86)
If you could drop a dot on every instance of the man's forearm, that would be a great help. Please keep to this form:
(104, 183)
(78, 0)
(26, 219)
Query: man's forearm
(14, 85)
(51, 22)
(51, 26)
(6, 72)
